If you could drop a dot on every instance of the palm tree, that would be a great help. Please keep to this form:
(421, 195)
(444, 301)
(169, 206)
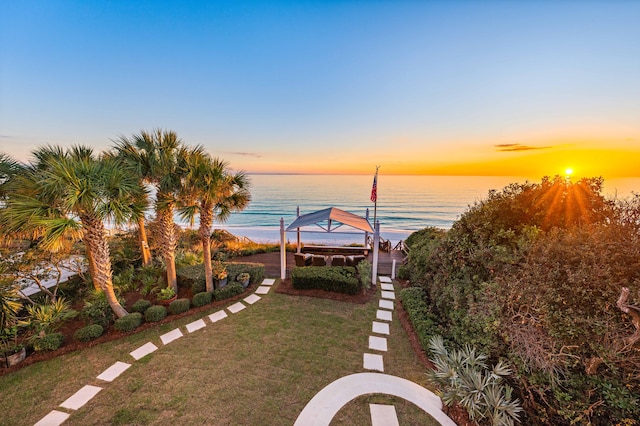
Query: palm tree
(8, 168)
(71, 194)
(212, 192)
(159, 157)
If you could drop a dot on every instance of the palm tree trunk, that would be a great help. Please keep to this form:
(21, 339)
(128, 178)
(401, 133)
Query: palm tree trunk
(92, 270)
(95, 238)
(144, 245)
(206, 220)
(168, 248)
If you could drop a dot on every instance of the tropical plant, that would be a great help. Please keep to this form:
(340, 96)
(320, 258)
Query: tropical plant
(70, 194)
(46, 318)
(166, 293)
(211, 191)
(8, 168)
(243, 277)
(219, 270)
(158, 159)
(465, 379)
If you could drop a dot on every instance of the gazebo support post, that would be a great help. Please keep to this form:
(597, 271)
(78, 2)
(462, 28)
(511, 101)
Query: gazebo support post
(376, 244)
(283, 251)
(299, 247)
(366, 234)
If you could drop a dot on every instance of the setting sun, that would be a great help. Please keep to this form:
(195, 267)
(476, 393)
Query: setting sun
(568, 172)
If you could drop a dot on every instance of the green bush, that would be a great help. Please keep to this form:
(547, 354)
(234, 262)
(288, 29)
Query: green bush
(228, 291)
(48, 342)
(179, 306)
(141, 306)
(155, 313)
(340, 279)
(97, 310)
(255, 270)
(365, 271)
(413, 302)
(193, 276)
(202, 298)
(88, 333)
(128, 322)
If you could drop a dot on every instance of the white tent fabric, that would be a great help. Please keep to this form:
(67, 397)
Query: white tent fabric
(330, 219)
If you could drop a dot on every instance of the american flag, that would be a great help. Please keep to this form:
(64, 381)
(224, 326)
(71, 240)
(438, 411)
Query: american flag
(374, 189)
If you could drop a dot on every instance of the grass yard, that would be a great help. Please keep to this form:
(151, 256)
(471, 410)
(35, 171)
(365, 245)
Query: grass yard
(257, 367)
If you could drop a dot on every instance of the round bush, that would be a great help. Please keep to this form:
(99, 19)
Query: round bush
(179, 306)
(88, 333)
(202, 299)
(50, 342)
(141, 305)
(228, 291)
(155, 313)
(128, 322)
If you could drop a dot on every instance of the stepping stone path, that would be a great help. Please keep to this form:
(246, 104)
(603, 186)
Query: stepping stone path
(322, 407)
(87, 392)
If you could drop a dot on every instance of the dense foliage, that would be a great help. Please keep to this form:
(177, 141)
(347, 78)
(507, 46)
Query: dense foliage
(341, 279)
(531, 275)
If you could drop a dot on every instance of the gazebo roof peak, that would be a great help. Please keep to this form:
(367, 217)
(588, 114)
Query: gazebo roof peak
(330, 219)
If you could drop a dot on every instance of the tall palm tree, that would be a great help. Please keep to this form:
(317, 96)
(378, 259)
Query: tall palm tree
(8, 168)
(159, 157)
(71, 194)
(211, 191)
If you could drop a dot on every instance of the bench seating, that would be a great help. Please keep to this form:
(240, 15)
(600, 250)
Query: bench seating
(336, 250)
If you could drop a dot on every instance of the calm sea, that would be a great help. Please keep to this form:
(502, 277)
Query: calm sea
(405, 203)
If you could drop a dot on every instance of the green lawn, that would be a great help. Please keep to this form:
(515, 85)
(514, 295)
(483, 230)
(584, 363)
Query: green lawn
(257, 367)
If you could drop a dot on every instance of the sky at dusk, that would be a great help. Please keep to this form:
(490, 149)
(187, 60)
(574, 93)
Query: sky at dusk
(418, 87)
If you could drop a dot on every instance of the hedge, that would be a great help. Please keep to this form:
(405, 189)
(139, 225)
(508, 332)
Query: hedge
(88, 333)
(128, 322)
(193, 276)
(50, 342)
(179, 306)
(141, 306)
(413, 301)
(228, 291)
(155, 313)
(340, 279)
(201, 299)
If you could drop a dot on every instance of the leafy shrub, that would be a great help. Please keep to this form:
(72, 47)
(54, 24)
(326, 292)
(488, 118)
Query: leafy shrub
(202, 298)
(228, 291)
(155, 313)
(88, 333)
(48, 317)
(47, 342)
(128, 322)
(465, 379)
(97, 310)
(340, 279)
(365, 271)
(124, 280)
(193, 276)
(424, 325)
(141, 306)
(179, 306)
(255, 270)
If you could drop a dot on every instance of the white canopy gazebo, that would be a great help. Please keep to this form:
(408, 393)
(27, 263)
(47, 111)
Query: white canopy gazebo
(330, 220)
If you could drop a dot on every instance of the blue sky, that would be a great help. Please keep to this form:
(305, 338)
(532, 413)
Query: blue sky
(334, 86)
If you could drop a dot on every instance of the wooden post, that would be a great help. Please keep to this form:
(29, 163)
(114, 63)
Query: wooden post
(283, 251)
(366, 234)
(299, 249)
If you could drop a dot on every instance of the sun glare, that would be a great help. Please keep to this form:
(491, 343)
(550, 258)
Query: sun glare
(568, 172)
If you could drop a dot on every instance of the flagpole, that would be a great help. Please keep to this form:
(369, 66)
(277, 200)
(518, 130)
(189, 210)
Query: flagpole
(374, 195)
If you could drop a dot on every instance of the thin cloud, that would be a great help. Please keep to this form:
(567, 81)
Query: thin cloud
(247, 154)
(510, 147)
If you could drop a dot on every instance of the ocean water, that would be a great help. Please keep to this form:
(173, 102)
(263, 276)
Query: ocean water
(405, 203)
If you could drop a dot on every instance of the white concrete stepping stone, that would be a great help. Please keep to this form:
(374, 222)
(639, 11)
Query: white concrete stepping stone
(114, 371)
(171, 336)
(380, 327)
(385, 279)
(81, 397)
(388, 287)
(268, 281)
(378, 343)
(144, 350)
(383, 315)
(217, 316)
(385, 304)
(263, 289)
(383, 415)
(388, 295)
(251, 299)
(236, 307)
(196, 325)
(54, 418)
(373, 362)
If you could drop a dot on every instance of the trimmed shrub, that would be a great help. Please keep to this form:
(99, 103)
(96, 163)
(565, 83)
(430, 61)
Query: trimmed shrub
(228, 291)
(48, 342)
(155, 313)
(179, 306)
(97, 310)
(88, 333)
(339, 279)
(141, 306)
(201, 299)
(413, 302)
(255, 270)
(128, 322)
(193, 276)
